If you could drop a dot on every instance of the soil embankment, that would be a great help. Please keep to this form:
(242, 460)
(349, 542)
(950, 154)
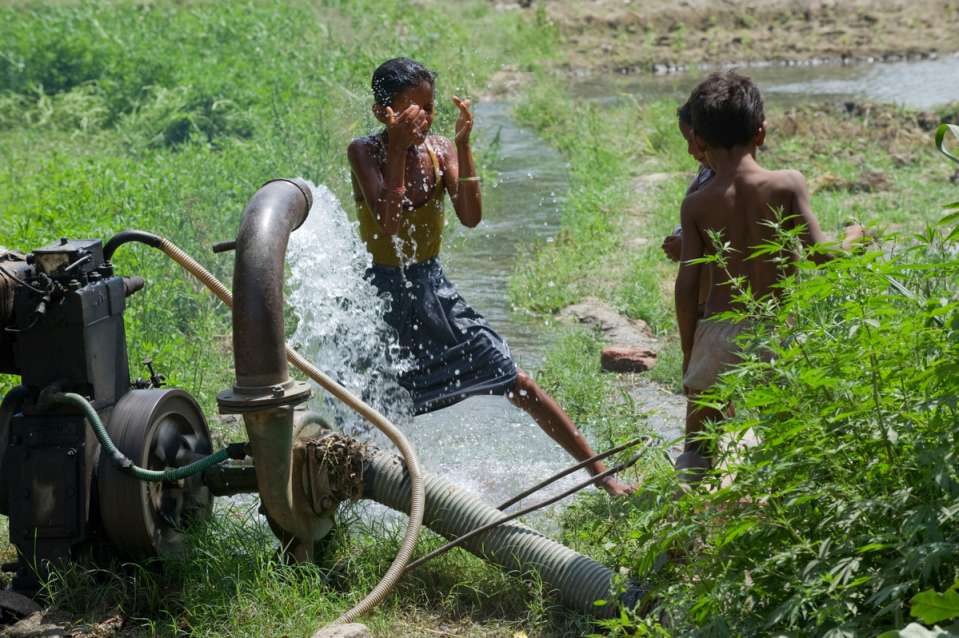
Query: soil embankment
(663, 35)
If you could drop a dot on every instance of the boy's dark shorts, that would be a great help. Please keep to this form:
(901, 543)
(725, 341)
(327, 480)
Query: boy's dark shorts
(456, 352)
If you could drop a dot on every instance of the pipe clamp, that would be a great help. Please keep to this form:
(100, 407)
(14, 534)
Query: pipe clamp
(244, 399)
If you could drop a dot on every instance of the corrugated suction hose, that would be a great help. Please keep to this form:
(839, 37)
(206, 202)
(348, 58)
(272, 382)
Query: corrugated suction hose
(452, 512)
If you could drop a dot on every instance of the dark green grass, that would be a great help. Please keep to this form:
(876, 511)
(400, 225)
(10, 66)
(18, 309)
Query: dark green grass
(230, 582)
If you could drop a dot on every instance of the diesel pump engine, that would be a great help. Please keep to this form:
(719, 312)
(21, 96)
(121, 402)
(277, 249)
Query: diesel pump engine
(62, 331)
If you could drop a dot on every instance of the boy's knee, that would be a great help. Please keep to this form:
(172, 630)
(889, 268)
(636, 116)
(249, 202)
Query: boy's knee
(524, 389)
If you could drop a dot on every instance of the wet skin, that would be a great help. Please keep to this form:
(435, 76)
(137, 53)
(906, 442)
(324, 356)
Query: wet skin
(402, 178)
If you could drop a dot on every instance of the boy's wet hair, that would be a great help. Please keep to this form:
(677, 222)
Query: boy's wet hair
(685, 115)
(726, 109)
(397, 75)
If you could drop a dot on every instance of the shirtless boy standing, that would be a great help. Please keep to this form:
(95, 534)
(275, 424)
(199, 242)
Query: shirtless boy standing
(728, 125)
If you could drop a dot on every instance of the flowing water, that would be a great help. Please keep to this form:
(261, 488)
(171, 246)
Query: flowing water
(920, 85)
(484, 443)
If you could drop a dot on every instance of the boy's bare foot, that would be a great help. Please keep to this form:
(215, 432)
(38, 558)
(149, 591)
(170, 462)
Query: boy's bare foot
(615, 487)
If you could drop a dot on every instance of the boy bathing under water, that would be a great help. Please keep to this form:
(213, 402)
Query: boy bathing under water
(400, 176)
(738, 203)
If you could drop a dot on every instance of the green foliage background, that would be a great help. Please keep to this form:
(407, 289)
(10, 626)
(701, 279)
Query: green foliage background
(167, 117)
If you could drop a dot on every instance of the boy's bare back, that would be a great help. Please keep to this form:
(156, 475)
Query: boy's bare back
(740, 205)
(739, 209)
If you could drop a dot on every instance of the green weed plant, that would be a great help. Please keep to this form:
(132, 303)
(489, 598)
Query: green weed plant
(837, 494)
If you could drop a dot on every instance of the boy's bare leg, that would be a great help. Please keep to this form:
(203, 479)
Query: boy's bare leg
(695, 460)
(551, 418)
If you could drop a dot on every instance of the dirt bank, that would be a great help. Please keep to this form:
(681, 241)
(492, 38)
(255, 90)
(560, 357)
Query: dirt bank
(668, 35)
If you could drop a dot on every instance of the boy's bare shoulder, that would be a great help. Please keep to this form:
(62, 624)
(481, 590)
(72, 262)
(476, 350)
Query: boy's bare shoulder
(695, 204)
(361, 144)
(701, 199)
(785, 180)
(364, 150)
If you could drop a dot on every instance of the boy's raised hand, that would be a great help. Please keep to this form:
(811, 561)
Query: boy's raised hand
(406, 129)
(464, 123)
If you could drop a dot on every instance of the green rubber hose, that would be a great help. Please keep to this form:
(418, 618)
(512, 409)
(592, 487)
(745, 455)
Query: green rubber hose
(122, 461)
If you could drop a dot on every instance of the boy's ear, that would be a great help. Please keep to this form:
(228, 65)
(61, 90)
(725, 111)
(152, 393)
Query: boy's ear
(760, 137)
(700, 142)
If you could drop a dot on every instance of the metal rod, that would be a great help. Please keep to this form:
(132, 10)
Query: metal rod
(228, 480)
(596, 457)
(460, 539)
(224, 246)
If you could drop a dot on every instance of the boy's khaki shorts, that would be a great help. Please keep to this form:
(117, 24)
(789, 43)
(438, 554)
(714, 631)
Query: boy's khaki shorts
(714, 351)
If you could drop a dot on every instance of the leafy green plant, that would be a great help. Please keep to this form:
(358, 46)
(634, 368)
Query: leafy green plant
(171, 117)
(941, 139)
(842, 508)
(931, 607)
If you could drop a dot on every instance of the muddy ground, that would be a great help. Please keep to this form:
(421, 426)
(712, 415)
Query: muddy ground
(670, 35)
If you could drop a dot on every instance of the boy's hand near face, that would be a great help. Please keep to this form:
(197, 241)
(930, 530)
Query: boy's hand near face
(464, 185)
(464, 123)
(408, 128)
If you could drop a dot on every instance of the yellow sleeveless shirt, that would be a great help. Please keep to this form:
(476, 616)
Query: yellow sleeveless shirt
(420, 232)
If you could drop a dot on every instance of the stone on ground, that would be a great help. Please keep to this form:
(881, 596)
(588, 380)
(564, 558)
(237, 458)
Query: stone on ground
(616, 329)
(627, 359)
(17, 605)
(39, 624)
(351, 630)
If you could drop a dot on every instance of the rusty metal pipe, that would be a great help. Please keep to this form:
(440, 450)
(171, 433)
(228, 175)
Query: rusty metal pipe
(263, 392)
(268, 408)
(259, 345)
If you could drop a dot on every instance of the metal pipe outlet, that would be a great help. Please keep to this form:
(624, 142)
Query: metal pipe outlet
(264, 393)
(259, 343)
